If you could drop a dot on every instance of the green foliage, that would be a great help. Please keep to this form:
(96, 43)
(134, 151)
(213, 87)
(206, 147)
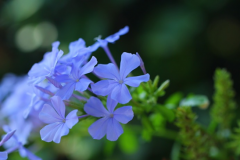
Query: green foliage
(234, 144)
(223, 109)
(128, 142)
(196, 141)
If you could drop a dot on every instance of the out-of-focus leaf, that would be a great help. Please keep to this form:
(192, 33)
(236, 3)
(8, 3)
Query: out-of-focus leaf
(128, 142)
(195, 101)
(163, 86)
(109, 147)
(157, 120)
(168, 114)
(147, 128)
(173, 101)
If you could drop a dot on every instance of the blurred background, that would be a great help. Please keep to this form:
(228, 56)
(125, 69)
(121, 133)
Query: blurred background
(180, 40)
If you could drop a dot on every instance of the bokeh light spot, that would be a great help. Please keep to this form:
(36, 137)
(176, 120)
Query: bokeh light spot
(27, 38)
(48, 33)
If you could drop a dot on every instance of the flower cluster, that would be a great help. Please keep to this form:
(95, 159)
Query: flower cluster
(51, 85)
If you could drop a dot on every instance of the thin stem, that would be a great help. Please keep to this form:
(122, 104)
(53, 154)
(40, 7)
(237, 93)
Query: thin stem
(212, 126)
(106, 49)
(12, 149)
(80, 98)
(167, 134)
(83, 116)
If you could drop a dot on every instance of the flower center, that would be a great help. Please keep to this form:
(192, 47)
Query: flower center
(64, 120)
(111, 115)
(77, 80)
(120, 81)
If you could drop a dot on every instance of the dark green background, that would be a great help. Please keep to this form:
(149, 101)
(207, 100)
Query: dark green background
(184, 41)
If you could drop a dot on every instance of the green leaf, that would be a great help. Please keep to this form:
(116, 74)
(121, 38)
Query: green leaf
(195, 101)
(163, 86)
(157, 120)
(128, 142)
(168, 114)
(109, 147)
(173, 101)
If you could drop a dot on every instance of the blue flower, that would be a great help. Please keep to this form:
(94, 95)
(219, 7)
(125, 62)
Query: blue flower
(76, 80)
(18, 145)
(3, 156)
(111, 38)
(46, 67)
(77, 51)
(58, 124)
(115, 83)
(108, 124)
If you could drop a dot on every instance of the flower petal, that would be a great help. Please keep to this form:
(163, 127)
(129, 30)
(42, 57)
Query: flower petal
(121, 94)
(28, 153)
(111, 104)
(99, 128)
(135, 81)
(128, 63)
(64, 78)
(107, 71)
(59, 106)
(82, 84)
(48, 132)
(124, 114)
(88, 67)
(114, 129)
(49, 115)
(66, 92)
(95, 107)
(116, 36)
(104, 87)
(38, 70)
(3, 156)
(72, 118)
(63, 130)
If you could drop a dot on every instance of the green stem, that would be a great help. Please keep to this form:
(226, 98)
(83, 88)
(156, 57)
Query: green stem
(212, 126)
(169, 134)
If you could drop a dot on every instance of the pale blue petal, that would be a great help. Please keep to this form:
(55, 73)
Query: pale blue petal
(124, 114)
(116, 36)
(49, 115)
(104, 87)
(3, 156)
(66, 92)
(64, 78)
(94, 47)
(88, 67)
(75, 72)
(72, 118)
(107, 71)
(94, 107)
(48, 132)
(128, 63)
(25, 152)
(63, 130)
(135, 81)
(114, 129)
(75, 46)
(121, 94)
(38, 70)
(111, 104)
(99, 128)
(59, 106)
(82, 84)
